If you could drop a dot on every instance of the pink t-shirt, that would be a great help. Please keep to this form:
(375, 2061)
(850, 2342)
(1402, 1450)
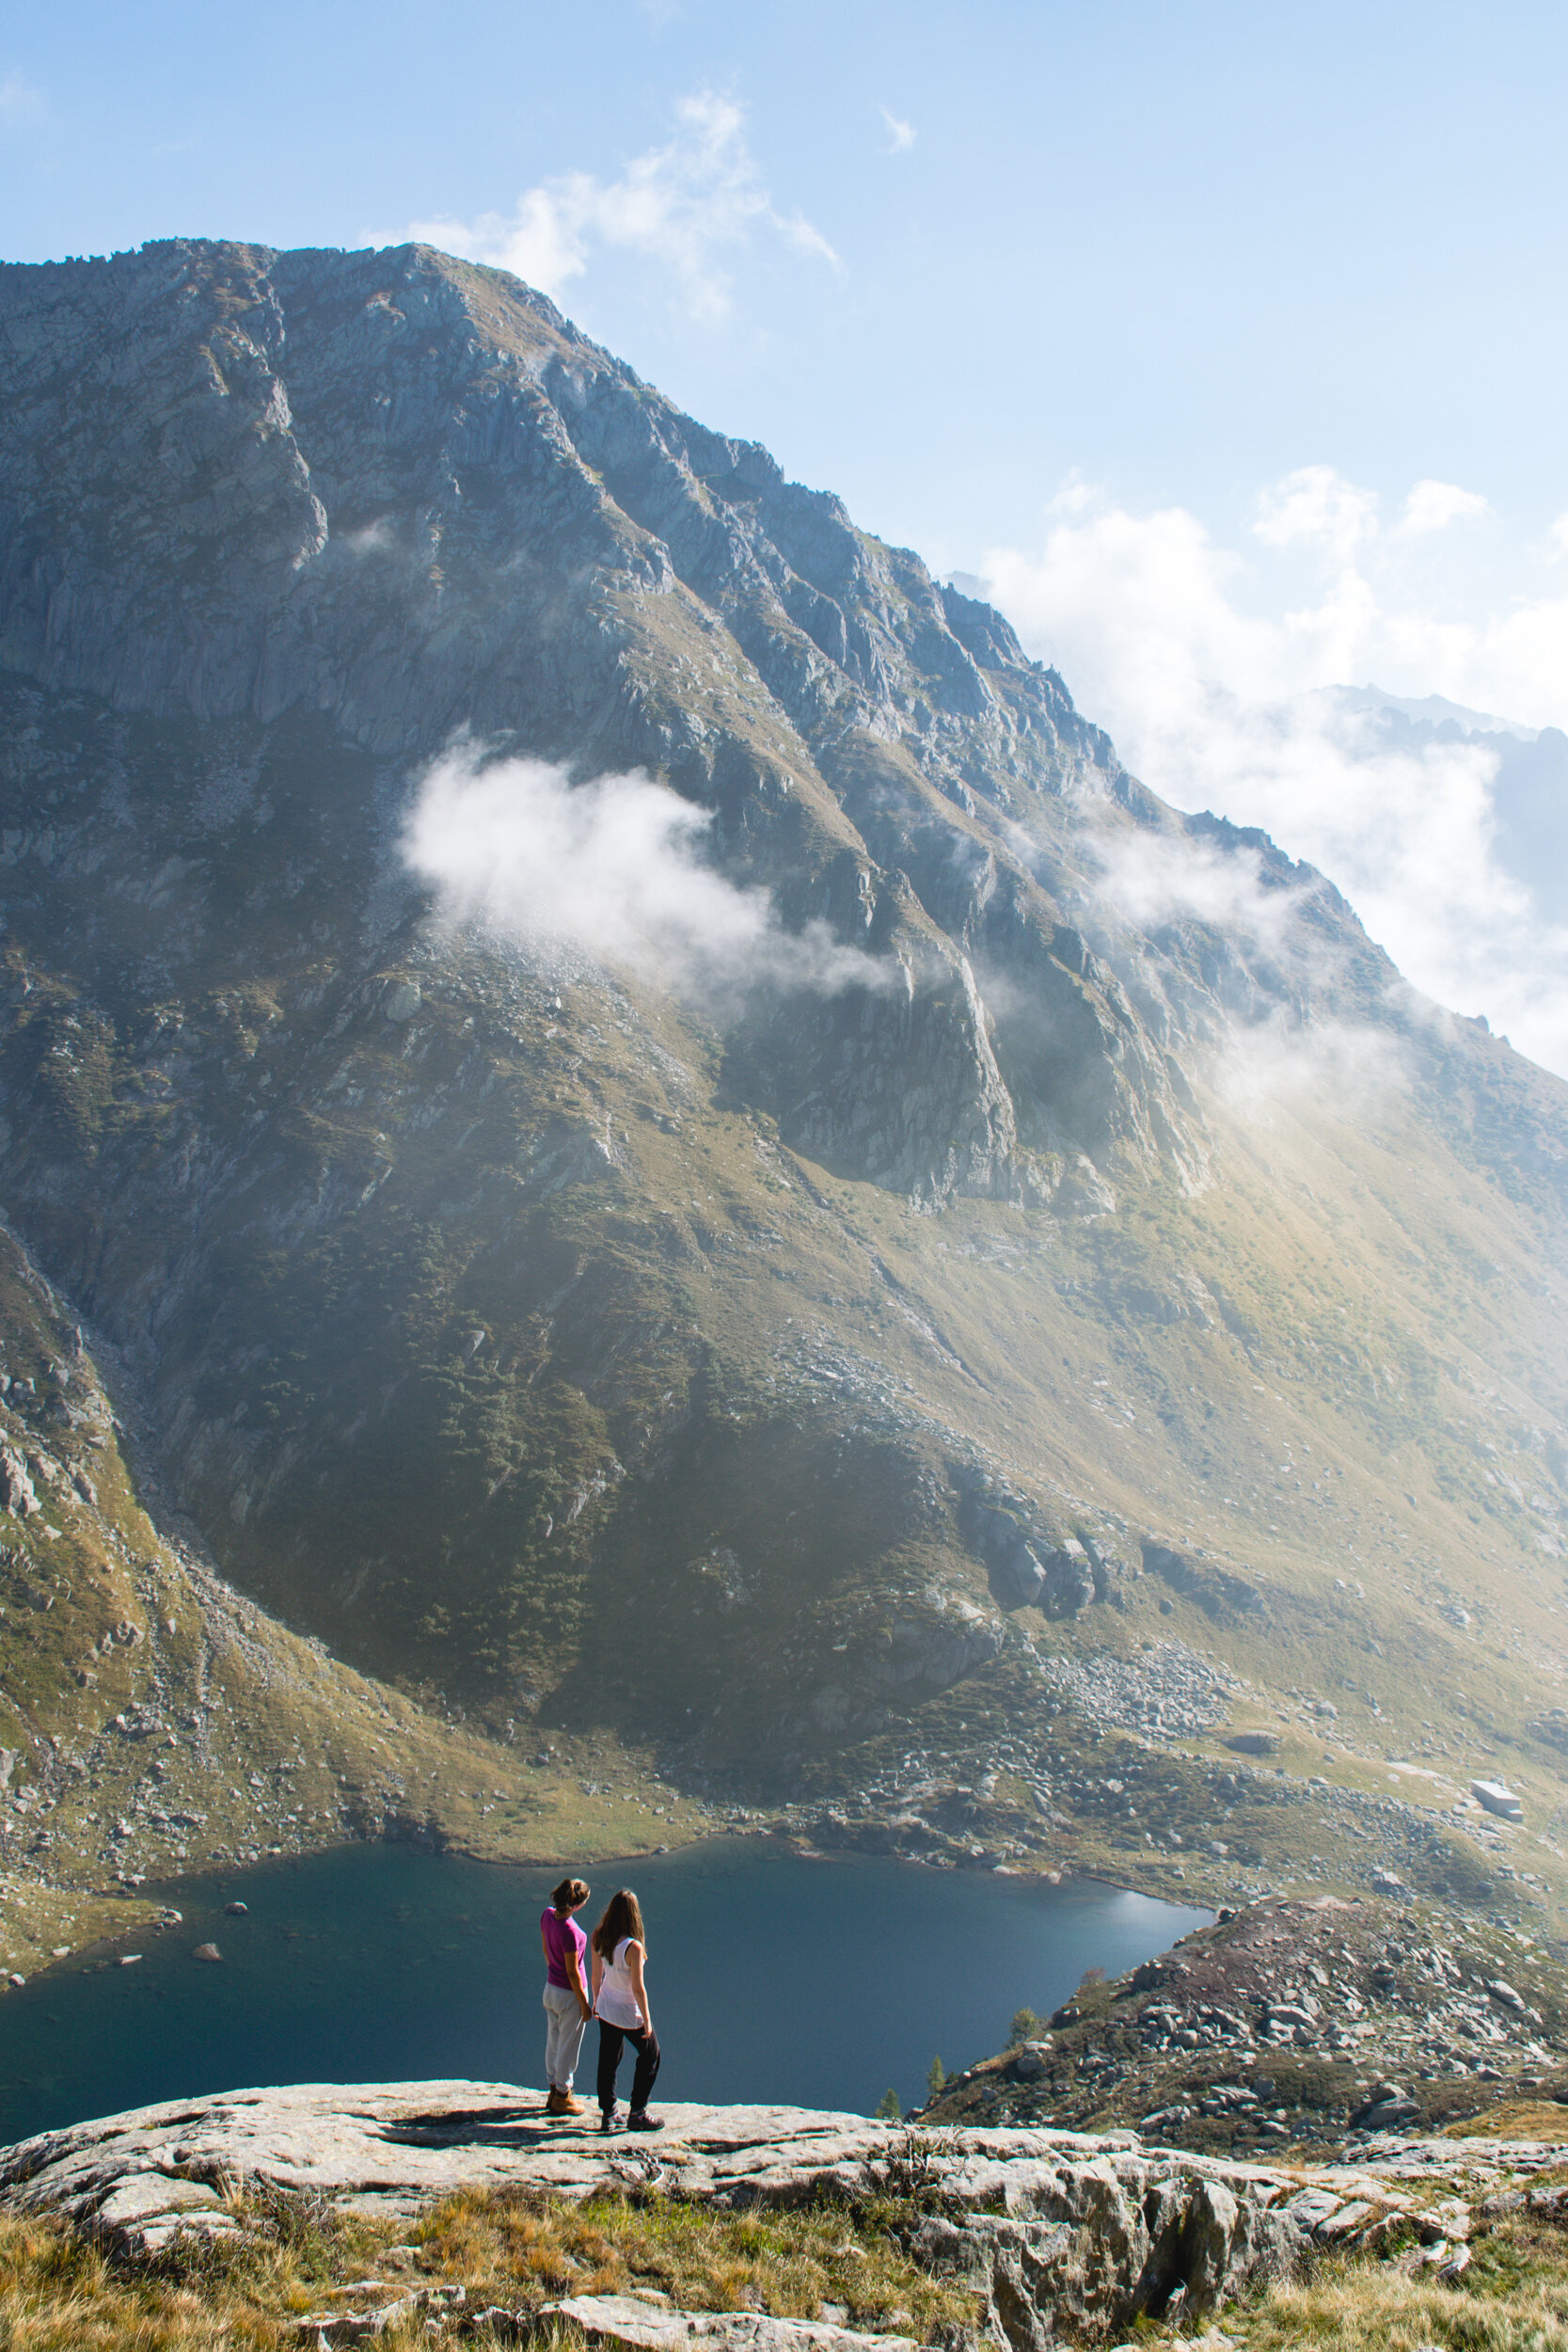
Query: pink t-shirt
(561, 1937)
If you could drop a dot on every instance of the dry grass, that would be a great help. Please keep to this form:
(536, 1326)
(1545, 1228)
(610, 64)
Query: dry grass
(790, 2263)
(1513, 2297)
(1361, 2310)
(59, 2293)
(523, 2249)
(1515, 2118)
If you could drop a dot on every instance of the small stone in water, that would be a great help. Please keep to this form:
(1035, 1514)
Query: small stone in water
(236, 1911)
(206, 1951)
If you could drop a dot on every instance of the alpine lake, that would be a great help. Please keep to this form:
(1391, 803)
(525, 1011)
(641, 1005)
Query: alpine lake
(773, 1977)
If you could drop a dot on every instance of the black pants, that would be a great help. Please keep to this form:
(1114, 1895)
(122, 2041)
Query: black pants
(646, 2043)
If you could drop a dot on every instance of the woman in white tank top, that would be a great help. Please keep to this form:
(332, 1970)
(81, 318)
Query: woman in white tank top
(621, 2005)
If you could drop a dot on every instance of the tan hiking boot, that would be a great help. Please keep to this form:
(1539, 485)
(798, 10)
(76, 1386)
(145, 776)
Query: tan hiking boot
(569, 2105)
(559, 2101)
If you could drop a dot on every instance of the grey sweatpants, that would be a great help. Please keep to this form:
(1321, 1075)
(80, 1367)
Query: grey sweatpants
(565, 2026)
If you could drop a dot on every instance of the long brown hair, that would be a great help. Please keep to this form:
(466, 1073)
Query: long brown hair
(622, 1916)
(569, 1894)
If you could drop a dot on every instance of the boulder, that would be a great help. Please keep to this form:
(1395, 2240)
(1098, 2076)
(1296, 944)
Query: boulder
(1293, 2015)
(1217, 1592)
(1496, 1798)
(1017, 1579)
(1070, 1580)
(1211, 2230)
(144, 2209)
(1384, 2113)
(320, 2329)
(18, 1494)
(1103, 2244)
(651, 2327)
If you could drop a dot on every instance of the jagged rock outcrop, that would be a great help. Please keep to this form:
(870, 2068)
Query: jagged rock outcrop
(18, 1493)
(1058, 2234)
(1270, 2030)
(1056, 2229)
(1115, 2243)
(1218, 1592)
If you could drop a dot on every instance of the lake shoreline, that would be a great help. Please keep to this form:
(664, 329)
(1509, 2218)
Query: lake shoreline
(368, 1958)
(145, 1897)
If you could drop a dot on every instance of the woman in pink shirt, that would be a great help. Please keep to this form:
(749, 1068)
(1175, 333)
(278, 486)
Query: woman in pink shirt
(567, 2007)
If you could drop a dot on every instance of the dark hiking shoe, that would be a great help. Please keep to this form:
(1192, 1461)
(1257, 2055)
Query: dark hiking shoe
(607, 2119)
(641, 2120)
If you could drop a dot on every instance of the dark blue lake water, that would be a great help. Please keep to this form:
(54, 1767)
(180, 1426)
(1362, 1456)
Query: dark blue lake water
(817, 1983)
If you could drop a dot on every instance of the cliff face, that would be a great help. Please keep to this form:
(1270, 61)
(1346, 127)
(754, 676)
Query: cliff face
(406, 497)
(534, 1332)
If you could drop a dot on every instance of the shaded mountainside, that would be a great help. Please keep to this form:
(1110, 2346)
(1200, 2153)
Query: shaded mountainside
(1113, 1262)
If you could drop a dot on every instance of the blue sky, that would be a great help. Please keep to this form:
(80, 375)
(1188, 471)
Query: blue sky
(1226, 343)
(1178, 249)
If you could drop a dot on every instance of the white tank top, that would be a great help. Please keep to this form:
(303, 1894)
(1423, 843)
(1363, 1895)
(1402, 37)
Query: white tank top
(617, 2002)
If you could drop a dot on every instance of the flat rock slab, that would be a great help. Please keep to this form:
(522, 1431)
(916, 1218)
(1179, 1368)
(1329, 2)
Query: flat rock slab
(412, 2141)
(395, 2146)
(624, 2319)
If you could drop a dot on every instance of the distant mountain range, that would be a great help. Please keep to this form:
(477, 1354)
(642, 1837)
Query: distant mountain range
(1434, 713)
(1529, 793)
(1033, 1274)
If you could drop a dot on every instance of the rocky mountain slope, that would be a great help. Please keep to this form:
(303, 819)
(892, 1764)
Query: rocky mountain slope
(1291, 2029)
(155, 1712)
(1039, 1280)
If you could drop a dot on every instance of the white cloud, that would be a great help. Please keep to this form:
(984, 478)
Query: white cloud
(1316, 507)
(1434, 505)
(900, 135)
(612, 868)
(1324, 594)
(19, 100)
(1201, 659)
(689, 206)
(1277, 1065)
(1156, 878)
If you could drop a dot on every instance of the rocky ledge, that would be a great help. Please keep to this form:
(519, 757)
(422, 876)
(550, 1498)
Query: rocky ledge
(1051, 2230)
